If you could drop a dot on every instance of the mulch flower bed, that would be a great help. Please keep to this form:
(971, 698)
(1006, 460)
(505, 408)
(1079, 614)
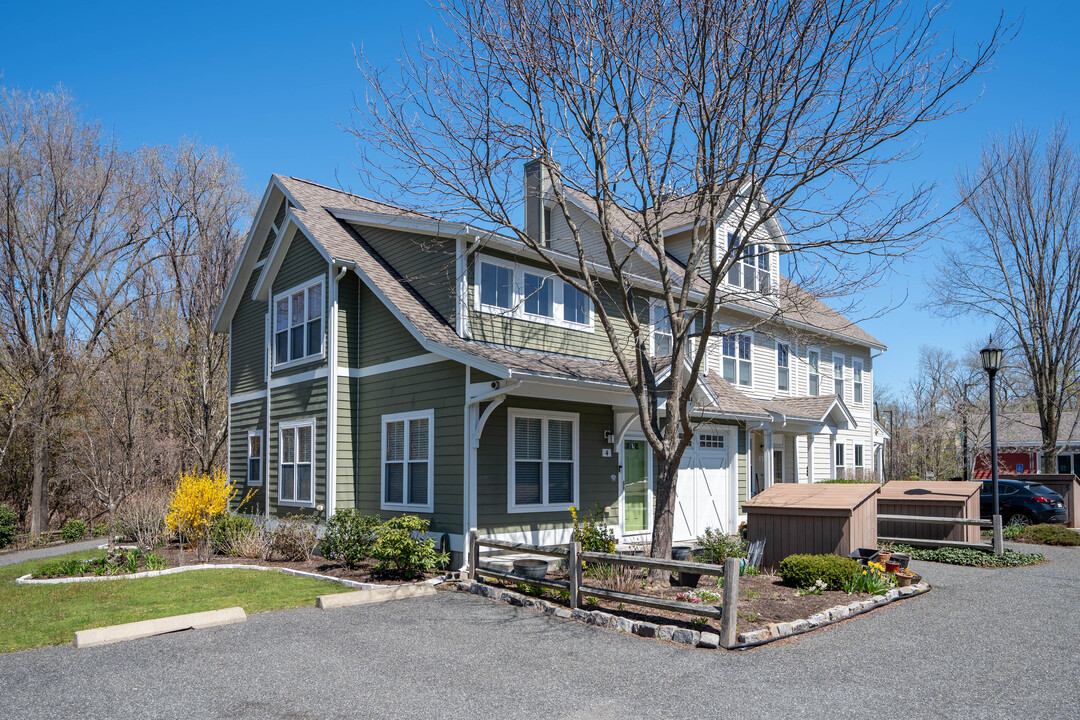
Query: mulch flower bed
(763, 599)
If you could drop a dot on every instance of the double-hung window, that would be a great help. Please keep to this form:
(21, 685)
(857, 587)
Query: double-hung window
(254, 457)
(838, 374)
(736, 352)
(783, 372)
(539, 295)
(856, 381)
(839, 456)
(661, 329)
(496, 286)
(858, 456)
(543, 460)
(298, 324)
(577, 307)
(295, 463)
(408, 475)
(813, 361)
(751, 270)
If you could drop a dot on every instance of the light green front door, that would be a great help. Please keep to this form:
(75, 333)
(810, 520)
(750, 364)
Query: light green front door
(635, 487)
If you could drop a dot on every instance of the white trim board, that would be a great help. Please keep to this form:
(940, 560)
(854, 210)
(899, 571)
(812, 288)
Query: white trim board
(247, 397)
(389, 367)
(316, 374)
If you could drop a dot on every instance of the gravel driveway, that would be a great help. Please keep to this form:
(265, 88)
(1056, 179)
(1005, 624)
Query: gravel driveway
(985, 643)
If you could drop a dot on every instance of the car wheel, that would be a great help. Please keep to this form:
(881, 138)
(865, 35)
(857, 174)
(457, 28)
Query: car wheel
(1019, 518)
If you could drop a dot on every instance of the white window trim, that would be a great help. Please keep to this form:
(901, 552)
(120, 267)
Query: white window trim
(654, 305)
(840, 449)
(428, 507)
(718, 336)
(321, 355)
(517, 299)
(843, 376)
(790, 375)
(314, 454)
(809, 370)
(856, 450)
(862, 372)
(544, 416)
(769, 248)
(262, 459)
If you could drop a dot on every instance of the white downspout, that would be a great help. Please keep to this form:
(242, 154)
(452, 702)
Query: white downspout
(268, 355)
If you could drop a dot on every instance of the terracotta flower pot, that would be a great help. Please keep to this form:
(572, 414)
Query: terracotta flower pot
(891, 566)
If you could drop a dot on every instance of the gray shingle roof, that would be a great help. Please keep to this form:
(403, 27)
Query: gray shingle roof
(809, 407)
(1023, 428)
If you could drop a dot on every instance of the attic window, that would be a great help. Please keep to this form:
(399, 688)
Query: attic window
(751, 270)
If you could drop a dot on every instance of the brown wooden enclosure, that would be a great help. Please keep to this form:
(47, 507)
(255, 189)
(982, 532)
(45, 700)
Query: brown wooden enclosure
(812, 519)
(1067, 486)
(930, 498)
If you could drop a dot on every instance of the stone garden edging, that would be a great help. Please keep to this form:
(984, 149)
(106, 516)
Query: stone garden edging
(778, 631)
(29, 579)
(694, 638)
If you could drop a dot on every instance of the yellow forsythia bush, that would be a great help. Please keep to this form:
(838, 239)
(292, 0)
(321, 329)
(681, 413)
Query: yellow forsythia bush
(198, 500)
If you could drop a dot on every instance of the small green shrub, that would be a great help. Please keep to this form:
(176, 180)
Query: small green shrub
(716, 547)
(1050, 535)
(592, 531)
(99, 530)
(294, 539)
(227, 528)
(803, 571)
(350, 537)
(73, 530)
(400, 548)
(9, 526)
(971, 557)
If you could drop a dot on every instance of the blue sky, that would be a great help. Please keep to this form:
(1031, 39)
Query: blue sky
(271, 81)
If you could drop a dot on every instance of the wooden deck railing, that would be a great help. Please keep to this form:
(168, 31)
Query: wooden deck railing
(575, 557)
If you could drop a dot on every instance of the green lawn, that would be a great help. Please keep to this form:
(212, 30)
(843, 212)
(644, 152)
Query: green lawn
(33, 616)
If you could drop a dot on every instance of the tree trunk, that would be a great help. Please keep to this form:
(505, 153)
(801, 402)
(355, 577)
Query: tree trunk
(39, 499)
(664, 514)
(110, 553)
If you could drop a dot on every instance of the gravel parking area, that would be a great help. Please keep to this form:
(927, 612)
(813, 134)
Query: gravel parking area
(985, 643)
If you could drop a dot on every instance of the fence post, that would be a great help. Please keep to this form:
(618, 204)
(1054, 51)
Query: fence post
(575, 575)
(731, 602)
(474, 554)
(999, 540)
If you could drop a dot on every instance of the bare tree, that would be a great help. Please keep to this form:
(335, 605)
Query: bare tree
(657, 110)
(200, 205)
(72, 231)
(1019, 265)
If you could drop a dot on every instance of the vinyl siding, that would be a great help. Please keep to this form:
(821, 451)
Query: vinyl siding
(381, 337)
(595, 472)
(303, 263)
(592, 241)
(298, 401)
(439, 387)
(517, 332)
(427, 263)
(244, 418)
(247, 334)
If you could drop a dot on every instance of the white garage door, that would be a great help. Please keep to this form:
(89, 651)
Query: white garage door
(703, 490)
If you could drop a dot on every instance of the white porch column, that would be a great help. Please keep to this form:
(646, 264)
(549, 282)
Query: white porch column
(809, 457)
(768, 470)
(749, 463)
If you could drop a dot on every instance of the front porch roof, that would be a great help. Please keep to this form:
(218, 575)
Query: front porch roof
(816, 409)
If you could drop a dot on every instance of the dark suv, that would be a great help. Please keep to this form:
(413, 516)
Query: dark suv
(1023, 503)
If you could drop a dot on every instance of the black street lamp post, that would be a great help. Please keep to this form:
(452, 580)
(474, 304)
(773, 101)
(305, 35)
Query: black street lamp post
(991, 362)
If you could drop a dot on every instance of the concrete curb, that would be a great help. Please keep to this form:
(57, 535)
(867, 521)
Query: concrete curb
(377, 595)
(29, 580)
(158, 626)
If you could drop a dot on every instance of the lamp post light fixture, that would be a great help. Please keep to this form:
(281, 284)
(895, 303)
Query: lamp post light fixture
(991, 362)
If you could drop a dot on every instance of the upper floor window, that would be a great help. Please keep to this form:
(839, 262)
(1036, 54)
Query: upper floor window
(408, 474)
(838, 374)
(661, 328)
(783, 373)
(751, 270)
(298, 323)
(543, 460)
(496, 286)
(813, 361)
(505, 288)
(856, 381)
(736, 354)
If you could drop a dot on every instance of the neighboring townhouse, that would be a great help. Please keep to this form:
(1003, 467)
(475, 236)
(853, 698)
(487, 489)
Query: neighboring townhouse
(1020, 443)
(390, 362)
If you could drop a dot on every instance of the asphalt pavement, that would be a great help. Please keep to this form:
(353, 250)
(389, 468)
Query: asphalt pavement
(20, 556)
(984, 644)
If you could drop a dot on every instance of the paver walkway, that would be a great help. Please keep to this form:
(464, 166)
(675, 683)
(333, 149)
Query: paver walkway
(984, 644)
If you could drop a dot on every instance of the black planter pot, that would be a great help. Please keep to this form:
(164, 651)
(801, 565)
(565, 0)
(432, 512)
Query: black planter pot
(532, 569)
(680, 552)
(902, 558)
(683, 553)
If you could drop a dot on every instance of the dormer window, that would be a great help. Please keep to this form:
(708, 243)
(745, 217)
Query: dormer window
(511, 290)
(298, 321)
(751, 270)
(539, 296)
(496, 286)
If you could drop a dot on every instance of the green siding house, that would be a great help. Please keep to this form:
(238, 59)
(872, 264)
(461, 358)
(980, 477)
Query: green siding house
(386, 361)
